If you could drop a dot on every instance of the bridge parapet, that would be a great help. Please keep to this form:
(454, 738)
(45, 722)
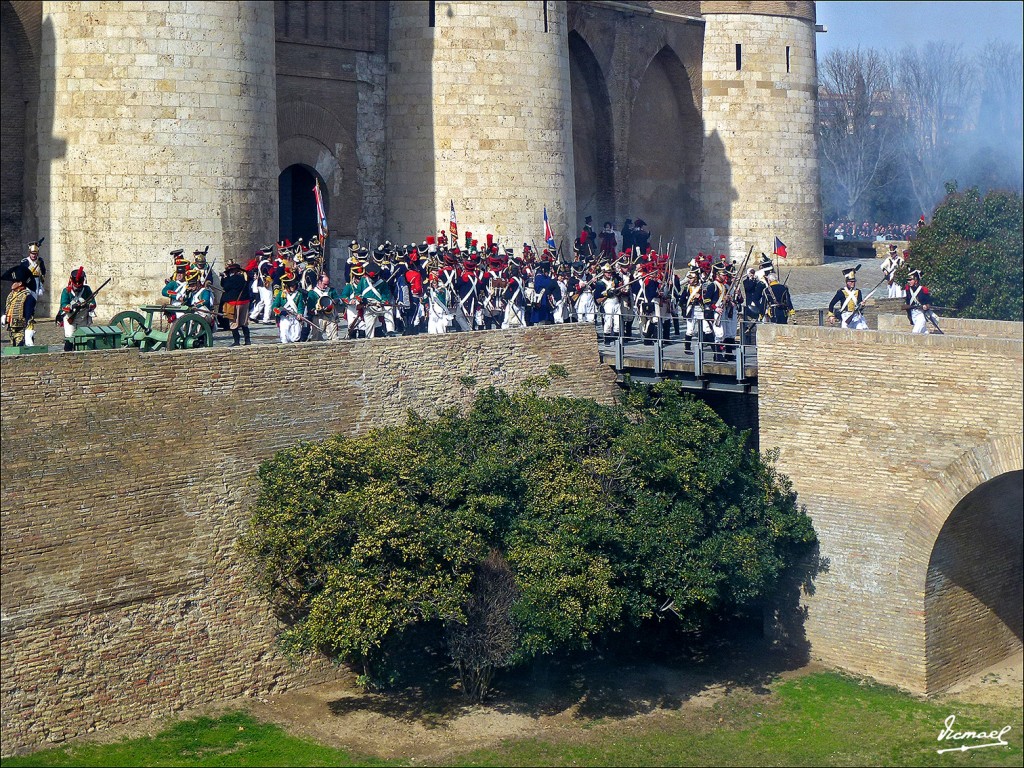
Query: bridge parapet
(868, 424)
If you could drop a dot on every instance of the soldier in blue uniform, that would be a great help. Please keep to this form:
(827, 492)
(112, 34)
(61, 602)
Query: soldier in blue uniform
(545, 294)
(845, 306)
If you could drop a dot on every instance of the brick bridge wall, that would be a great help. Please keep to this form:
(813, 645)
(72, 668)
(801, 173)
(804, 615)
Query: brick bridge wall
(125, 479)
(884, 434)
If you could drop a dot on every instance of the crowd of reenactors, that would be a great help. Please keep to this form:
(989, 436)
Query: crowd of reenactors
(617, 281)
(443, 285)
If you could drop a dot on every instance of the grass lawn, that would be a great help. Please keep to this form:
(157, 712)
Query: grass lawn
(232, 739)
(818, 719)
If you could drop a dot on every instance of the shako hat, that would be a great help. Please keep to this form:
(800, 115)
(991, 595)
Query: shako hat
(177, 252)
(851, 274)
(354, 246)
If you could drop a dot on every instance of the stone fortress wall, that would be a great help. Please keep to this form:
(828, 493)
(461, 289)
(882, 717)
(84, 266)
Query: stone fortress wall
(157, 125)
(131, 129)
(123, 596)
(907, 451)
(761, 104)
(479, 112)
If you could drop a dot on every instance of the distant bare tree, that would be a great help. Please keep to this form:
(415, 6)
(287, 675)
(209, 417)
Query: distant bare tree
(857, 137)
(937, 91)
(995, 150)
(1001, 69)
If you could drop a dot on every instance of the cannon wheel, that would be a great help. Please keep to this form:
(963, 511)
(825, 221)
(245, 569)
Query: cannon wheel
(132, 325)
(189, 332)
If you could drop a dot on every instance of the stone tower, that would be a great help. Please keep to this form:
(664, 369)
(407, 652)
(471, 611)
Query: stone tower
(760, 105)
(158, 129)
(479, 112)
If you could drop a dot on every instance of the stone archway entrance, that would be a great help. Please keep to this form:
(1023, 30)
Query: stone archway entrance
(665, 148)
(297, 203)
(593, 157)
(974, 595)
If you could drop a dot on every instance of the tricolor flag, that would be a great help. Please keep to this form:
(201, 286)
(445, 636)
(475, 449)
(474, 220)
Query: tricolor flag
(321, 215)
(453, 225)
(549, 237)
(780, 248)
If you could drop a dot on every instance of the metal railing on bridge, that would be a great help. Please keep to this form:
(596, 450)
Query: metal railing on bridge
(701, 362)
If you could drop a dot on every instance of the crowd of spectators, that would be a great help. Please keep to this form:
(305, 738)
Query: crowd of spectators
(869, 230)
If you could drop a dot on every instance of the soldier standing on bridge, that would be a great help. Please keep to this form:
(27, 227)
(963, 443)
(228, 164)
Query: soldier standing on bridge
(892, 263)
(778, 304)
(846, 304)
(919, 302)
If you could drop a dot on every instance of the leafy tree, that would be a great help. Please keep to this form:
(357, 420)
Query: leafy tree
(971, 254)
(528, 525)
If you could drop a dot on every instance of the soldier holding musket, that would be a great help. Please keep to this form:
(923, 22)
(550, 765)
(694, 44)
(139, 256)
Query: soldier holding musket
(606, 295)
(846, 305)
(322, 303)
(76, 306)
(725, 314)
(699, 310)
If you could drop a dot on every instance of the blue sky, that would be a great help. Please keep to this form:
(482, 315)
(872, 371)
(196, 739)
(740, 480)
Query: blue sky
(892, 25)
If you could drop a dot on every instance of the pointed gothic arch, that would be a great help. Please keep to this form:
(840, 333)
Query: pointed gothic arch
(665, 147)
(592, 132)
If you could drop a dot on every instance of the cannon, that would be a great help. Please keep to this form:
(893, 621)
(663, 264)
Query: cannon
(187, 330)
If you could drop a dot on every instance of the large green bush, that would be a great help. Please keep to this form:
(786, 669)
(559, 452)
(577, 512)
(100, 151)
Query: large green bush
(971, 254)
(525, 526)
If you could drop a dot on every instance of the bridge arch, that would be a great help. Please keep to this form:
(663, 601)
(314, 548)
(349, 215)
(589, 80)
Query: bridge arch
(962, 560)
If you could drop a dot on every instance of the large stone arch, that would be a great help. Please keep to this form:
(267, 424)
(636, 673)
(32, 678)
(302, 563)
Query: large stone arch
(935, 537)
(311, 135)
(592, 132)
(665, 147)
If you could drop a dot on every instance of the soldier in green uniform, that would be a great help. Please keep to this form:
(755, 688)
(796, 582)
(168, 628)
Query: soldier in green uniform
(76, 306)
(323, 302)
(289, 306)
(376, 297)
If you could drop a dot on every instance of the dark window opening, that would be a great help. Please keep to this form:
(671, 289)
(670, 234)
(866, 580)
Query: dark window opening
(431, 11)
(787, 58)
(297, 204)
(739, 57)
(545, 15)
